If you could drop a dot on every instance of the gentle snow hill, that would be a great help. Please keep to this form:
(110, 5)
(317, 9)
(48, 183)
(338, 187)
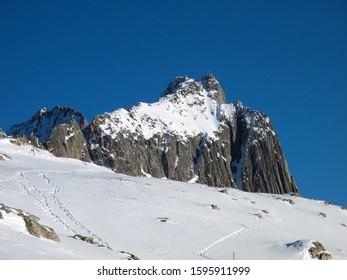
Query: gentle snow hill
(152, 218)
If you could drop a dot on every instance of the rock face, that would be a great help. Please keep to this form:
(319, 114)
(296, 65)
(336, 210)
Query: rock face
(59, 130)
(42, 123)
(190, 134)
(67, 140)
(2, 134)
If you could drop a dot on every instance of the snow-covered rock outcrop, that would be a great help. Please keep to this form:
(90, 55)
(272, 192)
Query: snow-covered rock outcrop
(190, 134)
(59, 130)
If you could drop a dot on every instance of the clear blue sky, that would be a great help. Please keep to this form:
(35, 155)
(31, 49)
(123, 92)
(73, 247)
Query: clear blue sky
(285, 58)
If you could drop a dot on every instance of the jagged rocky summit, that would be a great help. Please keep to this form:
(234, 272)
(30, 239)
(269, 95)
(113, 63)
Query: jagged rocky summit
(189, 134)
(58, 130)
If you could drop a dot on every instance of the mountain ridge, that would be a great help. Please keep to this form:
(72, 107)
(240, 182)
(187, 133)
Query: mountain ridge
(188, 134)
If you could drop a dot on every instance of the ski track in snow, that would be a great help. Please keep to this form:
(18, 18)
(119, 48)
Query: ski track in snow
(67, 212)
(25, 184)
(202, 253)
(238, 233)
(40, 199)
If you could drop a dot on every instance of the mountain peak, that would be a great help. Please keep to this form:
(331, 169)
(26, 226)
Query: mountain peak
(42, 123)
(184, 85)
(211, 84)
(176, 85)
(42, 111)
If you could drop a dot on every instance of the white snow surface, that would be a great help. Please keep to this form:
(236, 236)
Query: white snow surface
(189, 111)
(152, 218)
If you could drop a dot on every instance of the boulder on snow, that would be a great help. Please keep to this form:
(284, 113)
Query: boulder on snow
(322, 214)
(317, 251)
(314, 248)
(36, 229)
(32, 223)
(130, 257)
(87, 239)
(214, 207)
(259, 216)
(290, 201)
(224, 191)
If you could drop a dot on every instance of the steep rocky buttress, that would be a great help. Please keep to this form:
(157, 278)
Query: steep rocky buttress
(191, 134)
(59, 130)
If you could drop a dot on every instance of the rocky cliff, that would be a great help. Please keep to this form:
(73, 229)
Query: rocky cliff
(44, 121)
(59, 130)
(189, 134)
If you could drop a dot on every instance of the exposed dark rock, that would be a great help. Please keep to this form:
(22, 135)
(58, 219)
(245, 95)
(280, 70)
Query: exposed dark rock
(35, 228)
(131, 257)
(87, 239)
(224, 191)
(1, 217)
(2, 134)
(325, 256)
(32, 223)
(163, 219)
(317, 251)
(67, 140)
(44, 121)
(214, 207)
(59, 130)
(257, 149)
(290, 201)
(211, 84)
(36, 142)
(322, 214)
(19, 140)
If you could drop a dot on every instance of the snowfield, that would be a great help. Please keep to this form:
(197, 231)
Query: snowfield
(152, 218)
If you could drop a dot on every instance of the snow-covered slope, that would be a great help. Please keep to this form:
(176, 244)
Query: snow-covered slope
(152, 218)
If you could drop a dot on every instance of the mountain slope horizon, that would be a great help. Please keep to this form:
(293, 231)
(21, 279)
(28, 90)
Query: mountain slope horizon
(99, 214)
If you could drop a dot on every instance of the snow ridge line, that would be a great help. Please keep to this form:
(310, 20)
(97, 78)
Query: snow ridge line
(54, 195)
(25, 184)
